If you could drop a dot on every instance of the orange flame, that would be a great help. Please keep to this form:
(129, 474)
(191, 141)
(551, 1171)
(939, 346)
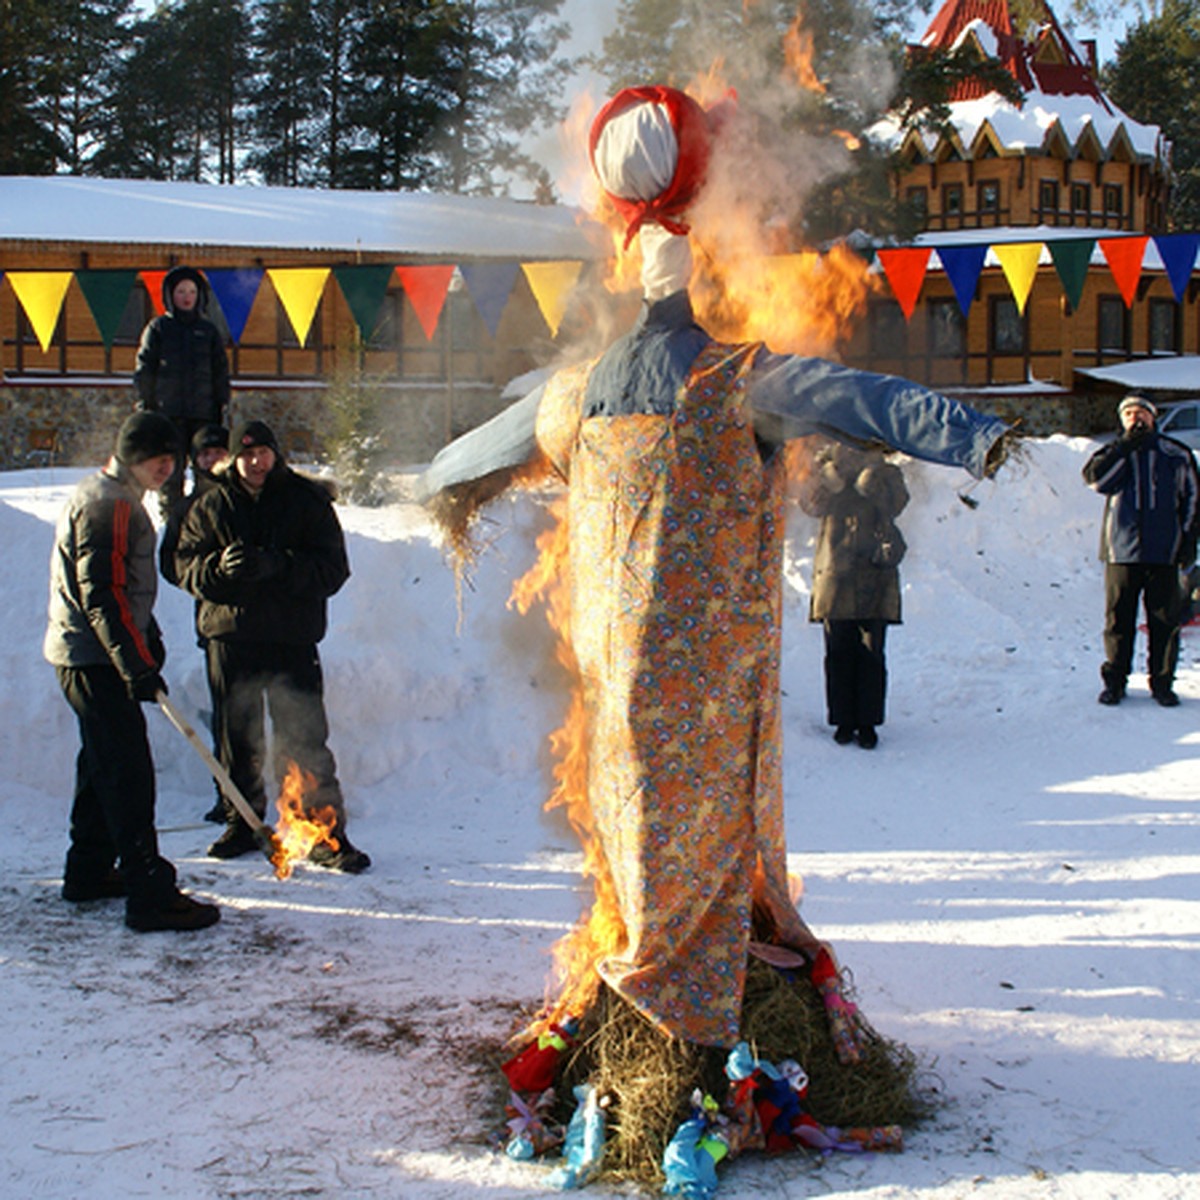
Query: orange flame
(798, 54)
(600, 931)
(299, 828)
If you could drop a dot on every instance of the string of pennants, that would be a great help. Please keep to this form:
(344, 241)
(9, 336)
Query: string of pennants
(299, 289)
(905, 267)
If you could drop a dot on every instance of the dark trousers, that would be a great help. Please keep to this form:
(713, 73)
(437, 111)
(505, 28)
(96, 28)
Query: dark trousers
(1157, 586)
(170, 495)
(241, 676)
(855, 672)
(112, 814)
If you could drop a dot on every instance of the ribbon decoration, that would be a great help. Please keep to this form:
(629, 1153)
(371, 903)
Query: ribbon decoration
(299, 290)
(551, 284)
(41, 294)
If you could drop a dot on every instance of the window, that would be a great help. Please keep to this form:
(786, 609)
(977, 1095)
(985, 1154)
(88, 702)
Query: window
(989, 196)
(1006, 326)
(952, 200)
(1113, 200)
(1113, 332)
(947, 329)
(887, 330)
(1081, 199)
(135, 317)
(1164, 327)
(917, 199)
(1048, 198)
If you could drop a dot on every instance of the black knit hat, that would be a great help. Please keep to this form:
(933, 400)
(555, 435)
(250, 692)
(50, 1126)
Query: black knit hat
(146, 435)
(209, 437)
(252, 433)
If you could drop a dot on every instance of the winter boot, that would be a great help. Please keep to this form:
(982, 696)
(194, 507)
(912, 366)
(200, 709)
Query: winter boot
(238, 839)
(346, 857)
(79, 887)
(155, 903)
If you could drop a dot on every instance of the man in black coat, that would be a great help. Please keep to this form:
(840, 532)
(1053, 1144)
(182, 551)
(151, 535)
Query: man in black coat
(263, 551)
(182, 370)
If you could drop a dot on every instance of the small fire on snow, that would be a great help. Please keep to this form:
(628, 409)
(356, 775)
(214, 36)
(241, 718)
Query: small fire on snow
(299, 827)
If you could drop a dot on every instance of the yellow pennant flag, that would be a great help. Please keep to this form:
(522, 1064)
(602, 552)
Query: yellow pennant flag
(551, 284)
(299, 290)
(1020, 263)
(41, 294)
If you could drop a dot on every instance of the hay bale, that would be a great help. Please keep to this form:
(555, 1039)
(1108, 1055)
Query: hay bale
(649, 1078)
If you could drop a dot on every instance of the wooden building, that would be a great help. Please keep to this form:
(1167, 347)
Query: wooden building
(1067, 185)
(434, 302)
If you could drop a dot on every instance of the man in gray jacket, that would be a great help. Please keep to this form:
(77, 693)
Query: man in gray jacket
(107, 651)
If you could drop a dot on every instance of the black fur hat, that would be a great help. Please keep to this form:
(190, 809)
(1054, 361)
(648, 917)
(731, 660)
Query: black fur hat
(146, 435)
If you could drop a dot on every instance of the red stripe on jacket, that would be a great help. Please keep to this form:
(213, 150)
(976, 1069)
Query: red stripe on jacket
(121, 517)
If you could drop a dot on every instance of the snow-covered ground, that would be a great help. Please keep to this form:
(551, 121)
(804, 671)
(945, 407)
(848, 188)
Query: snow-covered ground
(1013, 877)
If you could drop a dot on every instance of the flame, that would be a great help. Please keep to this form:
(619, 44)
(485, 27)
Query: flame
(798, 54)
(601, 930)
(299, 828)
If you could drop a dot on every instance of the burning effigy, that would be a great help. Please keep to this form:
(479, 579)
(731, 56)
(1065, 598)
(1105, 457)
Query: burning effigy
(695, 1014)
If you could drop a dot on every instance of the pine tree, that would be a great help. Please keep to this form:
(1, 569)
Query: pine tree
(506, 83)
(29, 145)
(1156, 80)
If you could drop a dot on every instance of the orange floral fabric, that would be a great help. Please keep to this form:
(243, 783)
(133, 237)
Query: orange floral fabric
(675, 543)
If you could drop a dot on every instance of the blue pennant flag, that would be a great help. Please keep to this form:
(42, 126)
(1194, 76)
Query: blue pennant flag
(1178, 252)
(962, 265)
(235, 289)
(490, 285)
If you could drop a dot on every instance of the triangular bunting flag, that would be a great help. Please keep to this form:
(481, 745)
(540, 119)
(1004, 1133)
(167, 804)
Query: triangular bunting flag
(1072, 257)
(235, 289)
(426, 288)
(551, 284)
(1124, 257)
(490, 285)
(153, 281)
(41, 294)
(962, 265)
(364, 287)
(1178, 252)
(905, 270)
(1019, 262)
(107, 294)
(299, 290)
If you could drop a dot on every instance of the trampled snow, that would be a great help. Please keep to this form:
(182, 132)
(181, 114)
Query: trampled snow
(1013, 877)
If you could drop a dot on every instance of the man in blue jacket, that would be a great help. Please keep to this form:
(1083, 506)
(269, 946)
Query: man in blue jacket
(1149, 534)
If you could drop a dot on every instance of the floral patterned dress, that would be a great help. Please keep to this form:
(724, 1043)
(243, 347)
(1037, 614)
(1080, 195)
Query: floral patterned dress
(675, 534)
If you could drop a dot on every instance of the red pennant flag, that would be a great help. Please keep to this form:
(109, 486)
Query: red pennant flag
(905, 270)
(153, 281)
(426, 288)
(1124, 257)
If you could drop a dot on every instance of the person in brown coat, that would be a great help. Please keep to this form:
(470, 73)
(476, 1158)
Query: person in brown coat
(856, 583)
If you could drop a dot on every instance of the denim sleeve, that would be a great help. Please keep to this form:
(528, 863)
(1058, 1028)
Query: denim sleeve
(793, 396)
(508, 440)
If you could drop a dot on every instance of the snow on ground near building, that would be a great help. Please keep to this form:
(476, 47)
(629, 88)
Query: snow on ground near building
(1013, 877)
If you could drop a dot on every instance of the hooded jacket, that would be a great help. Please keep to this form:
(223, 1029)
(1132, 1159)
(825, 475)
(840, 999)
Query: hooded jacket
(1150, 514)
(182, 370)
(293, 521)
(102, 579)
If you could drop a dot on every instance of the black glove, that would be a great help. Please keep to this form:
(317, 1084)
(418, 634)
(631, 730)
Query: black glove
(146, 686)
(237, 561)
(154, 644)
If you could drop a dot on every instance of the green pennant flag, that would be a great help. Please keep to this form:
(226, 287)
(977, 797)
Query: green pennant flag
(1072, 257)
(364, 288)
(107, 294)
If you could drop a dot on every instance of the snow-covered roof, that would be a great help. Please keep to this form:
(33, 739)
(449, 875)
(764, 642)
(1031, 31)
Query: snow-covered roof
(1062, 97)
(141, 212)
(1171, 373)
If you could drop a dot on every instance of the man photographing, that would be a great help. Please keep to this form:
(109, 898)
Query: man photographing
(1149, 534)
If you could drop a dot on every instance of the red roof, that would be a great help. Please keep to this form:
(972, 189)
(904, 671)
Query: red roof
(1072, 76)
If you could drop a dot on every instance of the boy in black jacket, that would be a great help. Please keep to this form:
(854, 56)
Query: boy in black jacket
(262, 552)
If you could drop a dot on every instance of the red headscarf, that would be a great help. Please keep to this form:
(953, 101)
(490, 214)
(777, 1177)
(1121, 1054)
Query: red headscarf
(689, 122)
